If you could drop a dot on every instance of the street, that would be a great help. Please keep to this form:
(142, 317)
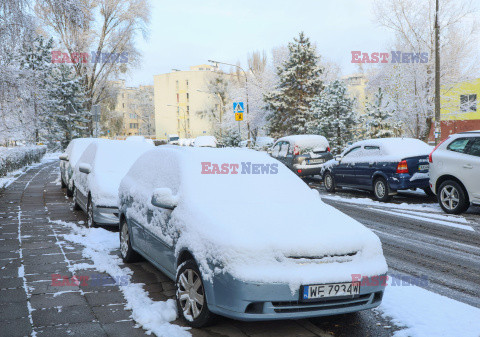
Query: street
(414, 244)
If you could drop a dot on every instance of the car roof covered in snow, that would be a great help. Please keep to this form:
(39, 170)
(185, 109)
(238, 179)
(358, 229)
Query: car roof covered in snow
(76, 148)
(396, 148)
(306, 141)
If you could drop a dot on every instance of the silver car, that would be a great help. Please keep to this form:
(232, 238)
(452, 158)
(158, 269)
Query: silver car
(97, 176)
(455, 172)
(244, 237)
(69, 159)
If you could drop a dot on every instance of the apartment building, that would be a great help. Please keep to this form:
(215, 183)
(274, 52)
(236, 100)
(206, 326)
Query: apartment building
(179, 97)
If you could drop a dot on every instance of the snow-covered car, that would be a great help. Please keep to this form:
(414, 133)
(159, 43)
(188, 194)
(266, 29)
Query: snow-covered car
(244, 237)
(383, 165)
(68, 160)
(205, 141)
(264, 143)
(139, 139)
(303, 154)
(97, 176)
(455, 172)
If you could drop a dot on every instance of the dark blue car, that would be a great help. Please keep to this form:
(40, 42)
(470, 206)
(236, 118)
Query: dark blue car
(383, 166)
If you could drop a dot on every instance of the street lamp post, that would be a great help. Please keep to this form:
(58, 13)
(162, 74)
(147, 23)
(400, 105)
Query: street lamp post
(246, 91)
(184, 118)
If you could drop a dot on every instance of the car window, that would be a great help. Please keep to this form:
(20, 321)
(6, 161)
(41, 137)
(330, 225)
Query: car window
(474, 147)
(355, 149)
(458, 145)
(276, 149)
(283, 149)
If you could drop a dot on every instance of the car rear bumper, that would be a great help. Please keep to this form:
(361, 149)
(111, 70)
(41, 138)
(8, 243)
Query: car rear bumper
(105, 215)
(304, 170)
(403, 182)
(257, 302)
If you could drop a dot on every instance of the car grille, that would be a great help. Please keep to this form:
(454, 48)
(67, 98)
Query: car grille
(297, 306)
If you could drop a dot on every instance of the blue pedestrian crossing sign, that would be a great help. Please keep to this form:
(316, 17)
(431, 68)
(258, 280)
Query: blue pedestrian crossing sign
(238, 107)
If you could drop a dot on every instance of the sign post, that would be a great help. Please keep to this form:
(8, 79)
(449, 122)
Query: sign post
(238, 110)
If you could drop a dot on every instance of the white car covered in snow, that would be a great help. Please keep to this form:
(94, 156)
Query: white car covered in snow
(244, 237)
(68, 161)
(97, 176)
(205, 141)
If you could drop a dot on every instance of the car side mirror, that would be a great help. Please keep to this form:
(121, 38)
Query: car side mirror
(63, 156)
(164, 198)
(339, 157)
(84, 168)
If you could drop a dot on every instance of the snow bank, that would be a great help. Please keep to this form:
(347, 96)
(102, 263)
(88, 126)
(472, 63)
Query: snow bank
(101, 247)
(110, 160)
(14, 158)
(249, 224)
(426, 314)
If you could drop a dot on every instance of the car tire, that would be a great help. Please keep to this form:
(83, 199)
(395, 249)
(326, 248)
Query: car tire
(63, 183)
(189, 277)
(76, 206)
(126, 250)
(452, 197)
(381, 190)
(329, 182)
(90, 222)
(69, 192)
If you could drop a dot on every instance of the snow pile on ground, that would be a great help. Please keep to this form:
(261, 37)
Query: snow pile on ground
(426, 314)
(252, 223)
(100, 247)
(14, 158)
(110, 160)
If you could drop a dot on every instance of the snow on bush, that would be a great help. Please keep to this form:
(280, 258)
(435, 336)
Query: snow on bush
(252, 224)
(14, 158)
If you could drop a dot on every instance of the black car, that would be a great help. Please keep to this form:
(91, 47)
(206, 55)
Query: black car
(303, 154)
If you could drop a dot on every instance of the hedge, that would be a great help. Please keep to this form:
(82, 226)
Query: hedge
(14, 158)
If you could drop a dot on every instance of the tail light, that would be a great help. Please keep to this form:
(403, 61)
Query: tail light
(402, 167)
(430, 159)
(296, 151)
(299, 171)
(328, 149)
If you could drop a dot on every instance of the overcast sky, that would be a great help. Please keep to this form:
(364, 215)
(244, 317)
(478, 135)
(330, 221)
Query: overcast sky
(189, 32)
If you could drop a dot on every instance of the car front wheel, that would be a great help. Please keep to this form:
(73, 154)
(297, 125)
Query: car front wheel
(329, 182)
(190, 295)
(90, 222)
(381, 191)
(76, 206)
(452, 197)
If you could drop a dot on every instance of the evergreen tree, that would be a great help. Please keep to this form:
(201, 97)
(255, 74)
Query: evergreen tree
(333, 116)
(378, 119)
(68, 117)
(299, 83)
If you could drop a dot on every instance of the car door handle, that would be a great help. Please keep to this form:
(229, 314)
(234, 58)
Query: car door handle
(468, 166)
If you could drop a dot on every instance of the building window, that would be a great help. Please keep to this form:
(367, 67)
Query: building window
(133, 125)
(468, 103)
(176, 84)
(178, 98)
(188, 97)
(186, 83)
(123, 105)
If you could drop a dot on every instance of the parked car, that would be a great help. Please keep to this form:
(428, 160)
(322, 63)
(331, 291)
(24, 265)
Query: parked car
(97, 176)
(303, 154)
(139, 139)
(455, 172)
(383, 166)
(205, 141)
(173, 139)
(68, 160)
(243, 237)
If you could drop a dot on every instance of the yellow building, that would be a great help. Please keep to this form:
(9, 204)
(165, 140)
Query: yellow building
(178, 97)
(135, 105)
(356, 87)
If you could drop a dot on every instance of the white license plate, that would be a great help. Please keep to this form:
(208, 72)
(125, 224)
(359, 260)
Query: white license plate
(315, 161)
(331, 290)
(423, 167)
